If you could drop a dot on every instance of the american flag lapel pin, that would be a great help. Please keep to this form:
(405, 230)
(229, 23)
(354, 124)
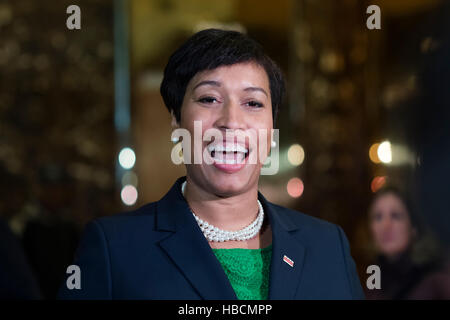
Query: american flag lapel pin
(288, 261)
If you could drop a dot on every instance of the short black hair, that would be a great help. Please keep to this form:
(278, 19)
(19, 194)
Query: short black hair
(209, 49)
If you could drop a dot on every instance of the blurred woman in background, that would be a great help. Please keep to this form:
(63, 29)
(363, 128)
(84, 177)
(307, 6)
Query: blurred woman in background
(408, 256)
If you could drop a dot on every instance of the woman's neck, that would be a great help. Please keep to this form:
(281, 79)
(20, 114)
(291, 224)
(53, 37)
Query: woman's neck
(230, 213)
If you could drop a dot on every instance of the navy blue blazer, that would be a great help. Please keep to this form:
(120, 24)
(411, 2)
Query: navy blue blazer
(159, 252)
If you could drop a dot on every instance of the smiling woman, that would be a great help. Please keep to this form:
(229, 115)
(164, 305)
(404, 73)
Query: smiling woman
(213, 235)
(230, 107)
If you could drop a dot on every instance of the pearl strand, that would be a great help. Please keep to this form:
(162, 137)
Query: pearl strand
(215, 234)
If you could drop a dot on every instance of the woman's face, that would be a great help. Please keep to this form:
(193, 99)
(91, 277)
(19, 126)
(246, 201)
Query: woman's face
(232, 98)
(390, 225)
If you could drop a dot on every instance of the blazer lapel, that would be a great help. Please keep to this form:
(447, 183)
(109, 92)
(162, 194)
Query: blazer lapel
(189, 249)
(284, 279)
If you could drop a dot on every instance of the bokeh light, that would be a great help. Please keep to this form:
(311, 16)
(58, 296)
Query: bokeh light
(373, 153)
(385, 152)
(295, 187)
(127, 158)
(377, 183)
(129, 195)
(296, 155)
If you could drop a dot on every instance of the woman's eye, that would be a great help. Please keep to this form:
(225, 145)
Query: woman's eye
(396, 216)
(377, 217)
(207, 100)
(254, 104)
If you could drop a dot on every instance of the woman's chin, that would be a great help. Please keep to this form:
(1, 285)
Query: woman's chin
(228, 191)
(227, 184)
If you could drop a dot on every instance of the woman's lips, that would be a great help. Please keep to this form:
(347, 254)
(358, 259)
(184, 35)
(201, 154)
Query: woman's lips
(229, 162)
(388, 238)
(229, 168)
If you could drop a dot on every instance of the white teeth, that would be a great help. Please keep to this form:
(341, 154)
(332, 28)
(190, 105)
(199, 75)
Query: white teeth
(234, 158)
(227, 148)
(228, 153)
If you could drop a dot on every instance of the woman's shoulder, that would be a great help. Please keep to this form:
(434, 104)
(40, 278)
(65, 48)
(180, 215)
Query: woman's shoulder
(140, 218)
(435, 284)
(302, 219)
(312, 228)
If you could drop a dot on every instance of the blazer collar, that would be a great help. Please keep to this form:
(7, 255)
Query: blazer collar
(191, 252)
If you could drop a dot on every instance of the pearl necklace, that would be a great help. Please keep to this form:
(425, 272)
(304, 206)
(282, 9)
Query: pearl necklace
(215, 234)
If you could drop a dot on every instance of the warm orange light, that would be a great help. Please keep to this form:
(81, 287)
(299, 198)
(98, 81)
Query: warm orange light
(377, 183)
(295, 187)
(373, 153)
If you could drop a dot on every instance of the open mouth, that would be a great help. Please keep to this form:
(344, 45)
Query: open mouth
(229, 153)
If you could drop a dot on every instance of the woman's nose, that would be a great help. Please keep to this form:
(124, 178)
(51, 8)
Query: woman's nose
(230, 117)
(386, 224)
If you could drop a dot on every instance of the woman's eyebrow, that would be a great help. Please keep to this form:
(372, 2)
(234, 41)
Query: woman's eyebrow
(207, 82)
(256, 89)
(218, 84)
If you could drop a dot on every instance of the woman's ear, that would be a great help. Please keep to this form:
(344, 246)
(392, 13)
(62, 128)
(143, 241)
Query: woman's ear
(174, 122)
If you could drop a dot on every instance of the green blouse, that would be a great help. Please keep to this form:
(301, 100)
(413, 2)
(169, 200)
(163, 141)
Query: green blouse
(248, 271)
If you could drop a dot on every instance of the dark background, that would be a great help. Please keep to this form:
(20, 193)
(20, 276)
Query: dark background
(348, 88)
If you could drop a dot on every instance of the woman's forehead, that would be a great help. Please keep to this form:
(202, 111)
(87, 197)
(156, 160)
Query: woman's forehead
(248, 73)
(389, 200)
